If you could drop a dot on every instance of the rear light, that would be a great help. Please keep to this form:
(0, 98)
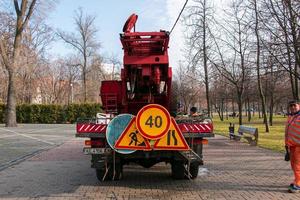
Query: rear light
(88, 142)
(204, 141)
(100, 143)
(200, 141)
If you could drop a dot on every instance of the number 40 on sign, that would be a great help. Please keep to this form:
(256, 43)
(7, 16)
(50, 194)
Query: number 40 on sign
(153, 121)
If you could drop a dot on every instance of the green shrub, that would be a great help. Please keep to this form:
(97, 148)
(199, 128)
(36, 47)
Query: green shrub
(48, 114)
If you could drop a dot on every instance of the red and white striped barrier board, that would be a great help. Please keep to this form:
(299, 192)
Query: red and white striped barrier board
(196, 128)
(90, 128)
(184, 127)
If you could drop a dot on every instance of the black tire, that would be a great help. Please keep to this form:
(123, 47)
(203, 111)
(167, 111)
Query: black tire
(178, 170)
(194, 169)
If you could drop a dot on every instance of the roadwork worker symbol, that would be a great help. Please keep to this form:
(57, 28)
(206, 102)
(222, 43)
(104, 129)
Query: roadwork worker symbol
(134, 139)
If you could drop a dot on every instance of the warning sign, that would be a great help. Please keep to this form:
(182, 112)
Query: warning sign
(132, 139)
(173, 140)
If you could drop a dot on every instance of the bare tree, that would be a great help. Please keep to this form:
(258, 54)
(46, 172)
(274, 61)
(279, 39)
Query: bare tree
(220, 90)
(232, 50)
(73, 72)
(281, 19)
(36, 39)
(197, 22)
(84, 42)
(54, 82)
(95, 75)
(24, 10)
(275, 87)
(258, 50)
(188, 87)
(116, 66)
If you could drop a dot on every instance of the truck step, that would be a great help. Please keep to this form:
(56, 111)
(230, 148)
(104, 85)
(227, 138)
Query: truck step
(190, 155)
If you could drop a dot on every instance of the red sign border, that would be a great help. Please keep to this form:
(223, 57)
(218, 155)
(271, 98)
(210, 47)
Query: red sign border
(139, 116)
(186, 146)
(148, 147)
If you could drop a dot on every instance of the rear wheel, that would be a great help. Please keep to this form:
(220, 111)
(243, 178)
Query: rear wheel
(194, 169)
(178, 170)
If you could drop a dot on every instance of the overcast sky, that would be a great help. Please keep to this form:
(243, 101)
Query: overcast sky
(111, 15)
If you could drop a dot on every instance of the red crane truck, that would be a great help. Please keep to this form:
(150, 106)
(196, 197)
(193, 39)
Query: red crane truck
(137, 125)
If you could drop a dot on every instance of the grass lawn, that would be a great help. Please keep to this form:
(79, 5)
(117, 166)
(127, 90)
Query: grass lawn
(273, 140)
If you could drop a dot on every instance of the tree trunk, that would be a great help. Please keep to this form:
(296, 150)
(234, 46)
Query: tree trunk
(271, 96)
(259, 111)
(271, 109)
(84, 78)
(295, 41)
(240, 107)
(226, 109)
(246, 109)
(292, 78)
(11, 119)
(222, 108)
(233, 107)
(219, 111)
(205, 59)
(261, 94)
(249, 111)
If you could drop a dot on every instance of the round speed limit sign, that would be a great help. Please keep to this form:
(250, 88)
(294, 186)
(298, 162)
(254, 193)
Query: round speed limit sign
(153, 121)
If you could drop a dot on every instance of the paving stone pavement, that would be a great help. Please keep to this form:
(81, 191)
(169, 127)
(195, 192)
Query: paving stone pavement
(19, 143)
(232, 170)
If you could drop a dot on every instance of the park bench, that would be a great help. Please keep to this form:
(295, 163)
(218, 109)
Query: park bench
(246, 132)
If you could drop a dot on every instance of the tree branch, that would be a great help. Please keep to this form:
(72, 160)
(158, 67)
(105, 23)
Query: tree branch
(4, 55)
(28, 15)
(17, 8)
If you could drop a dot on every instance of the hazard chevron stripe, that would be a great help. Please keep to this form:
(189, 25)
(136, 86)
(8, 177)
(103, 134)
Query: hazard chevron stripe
(195, 128)
(91, 128)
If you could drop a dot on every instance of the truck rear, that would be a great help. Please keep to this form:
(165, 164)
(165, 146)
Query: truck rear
(139, 124)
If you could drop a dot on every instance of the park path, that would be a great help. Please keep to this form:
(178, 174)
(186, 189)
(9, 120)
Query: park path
(232, 170)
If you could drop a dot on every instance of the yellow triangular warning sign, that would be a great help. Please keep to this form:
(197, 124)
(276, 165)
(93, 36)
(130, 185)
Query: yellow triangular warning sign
(132, 139)
(173, 140)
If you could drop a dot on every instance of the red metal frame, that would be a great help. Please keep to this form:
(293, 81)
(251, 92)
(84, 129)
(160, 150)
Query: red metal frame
(146, 76)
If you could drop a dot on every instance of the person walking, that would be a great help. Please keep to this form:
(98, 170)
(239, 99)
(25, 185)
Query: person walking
(292, 142)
